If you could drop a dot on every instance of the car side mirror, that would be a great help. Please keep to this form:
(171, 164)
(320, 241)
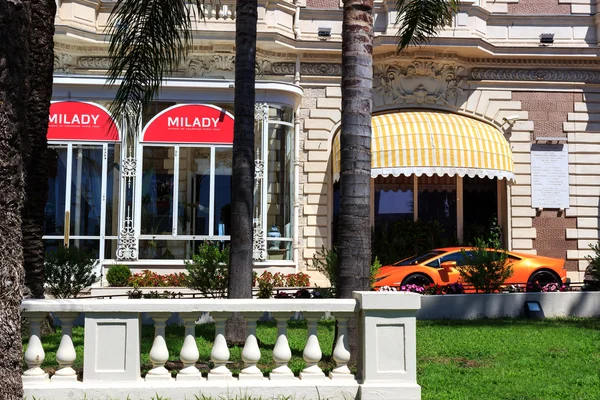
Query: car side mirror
(448, 265)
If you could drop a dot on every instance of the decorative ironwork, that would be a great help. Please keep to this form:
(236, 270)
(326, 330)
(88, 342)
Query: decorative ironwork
(259, 170)
(322, 69)
(261, 111)
(129, 167)
(420, 82)
(259, 243)
(126, 249)
(553, 75)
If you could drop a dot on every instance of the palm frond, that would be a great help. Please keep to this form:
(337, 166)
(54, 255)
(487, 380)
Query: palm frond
(148, 40)
(419, 20)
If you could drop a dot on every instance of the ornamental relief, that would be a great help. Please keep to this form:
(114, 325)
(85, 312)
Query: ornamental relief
(63, 63)
(205, 65)
(417, 82)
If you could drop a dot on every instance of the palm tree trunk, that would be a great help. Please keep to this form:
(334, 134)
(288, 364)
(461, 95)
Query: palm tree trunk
(240, 284)
(354, 244)
(14, 49)
(41, 56)
(242, 183)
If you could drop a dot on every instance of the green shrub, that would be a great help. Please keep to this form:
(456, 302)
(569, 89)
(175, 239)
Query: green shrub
(592, 272)
(208, 270)
(118, 275)
(69, 270)
(487, 266)
(326, 261)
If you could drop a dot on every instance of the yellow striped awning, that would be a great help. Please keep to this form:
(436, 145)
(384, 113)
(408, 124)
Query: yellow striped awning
(434, 143)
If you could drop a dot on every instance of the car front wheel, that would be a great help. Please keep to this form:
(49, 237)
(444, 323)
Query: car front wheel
(417, 279)
(543, 278)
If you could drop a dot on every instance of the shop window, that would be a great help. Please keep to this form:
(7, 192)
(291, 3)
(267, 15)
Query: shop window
(186, 181)
(84, 160)
(480, 196)
(437, 202)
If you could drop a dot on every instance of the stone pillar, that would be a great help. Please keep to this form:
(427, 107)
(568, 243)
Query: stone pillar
(387, 345)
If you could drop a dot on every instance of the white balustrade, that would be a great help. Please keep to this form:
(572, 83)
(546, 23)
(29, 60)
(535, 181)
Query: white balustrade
(282, 354)
(66, 355)
(35, 355)
(220, 352)
(385, 362)
(189, 354)
(159, 353)
(341, 351)
(251, 351)
(312, 351)
(218, 11)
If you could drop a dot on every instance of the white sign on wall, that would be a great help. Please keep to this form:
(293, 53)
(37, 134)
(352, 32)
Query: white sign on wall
(549, 176)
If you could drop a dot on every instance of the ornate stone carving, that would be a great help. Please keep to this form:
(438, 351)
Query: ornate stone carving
(199, 66)
(62, 63)
(322, 69)
(126, 249)
(261, 111)
(259, 243)
(202, 65)
(554, 75)
(93, 62)
(417, 82)
(283, 68)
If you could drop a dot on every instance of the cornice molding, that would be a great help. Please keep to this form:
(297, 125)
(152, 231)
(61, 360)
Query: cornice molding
(549, 75)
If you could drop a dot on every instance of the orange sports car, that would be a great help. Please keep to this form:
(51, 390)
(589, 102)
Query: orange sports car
(439, 266)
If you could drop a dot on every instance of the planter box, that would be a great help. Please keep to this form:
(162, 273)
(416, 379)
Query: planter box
(512, 305)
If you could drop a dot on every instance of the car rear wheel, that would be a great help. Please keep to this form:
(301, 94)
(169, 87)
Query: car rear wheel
(417, 279)
(544, 277)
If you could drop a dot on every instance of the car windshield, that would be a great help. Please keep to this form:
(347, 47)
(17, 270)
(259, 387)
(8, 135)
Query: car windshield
(419, 259)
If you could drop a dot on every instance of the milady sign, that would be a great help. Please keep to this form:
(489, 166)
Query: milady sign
(190, 123)
(80, 121)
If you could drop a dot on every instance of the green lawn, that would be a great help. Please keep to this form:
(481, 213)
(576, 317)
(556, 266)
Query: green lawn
(480, 359)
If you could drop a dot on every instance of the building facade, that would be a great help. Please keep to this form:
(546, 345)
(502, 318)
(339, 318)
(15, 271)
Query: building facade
(497, 118)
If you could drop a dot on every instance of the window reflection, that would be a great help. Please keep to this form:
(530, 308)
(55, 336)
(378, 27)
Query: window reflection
(437, 202)
(54, 212)
(223, 168)
(157, 191)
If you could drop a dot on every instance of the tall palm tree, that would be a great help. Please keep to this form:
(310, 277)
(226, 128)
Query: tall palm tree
(149, 40)
(14, 60)
(41, 65)
(418, 21)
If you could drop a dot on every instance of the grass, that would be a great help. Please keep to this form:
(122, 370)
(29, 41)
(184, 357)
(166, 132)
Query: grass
(477, 359)
(509, 359)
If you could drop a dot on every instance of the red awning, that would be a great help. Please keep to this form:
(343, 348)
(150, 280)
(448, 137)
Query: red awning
(81, 121)
(190, 123)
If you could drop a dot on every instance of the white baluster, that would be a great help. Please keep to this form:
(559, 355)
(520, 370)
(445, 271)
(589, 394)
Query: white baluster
(189, 351)
(65, 355)
(213, 12)
(34, 355)
(220, 353)
(281, 352)
(341, 352)
(312, 351)
(159, 353)
(251, 351)
(223, 11)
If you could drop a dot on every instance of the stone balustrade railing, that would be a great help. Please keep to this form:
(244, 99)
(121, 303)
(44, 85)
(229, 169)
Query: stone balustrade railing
(386, 359)
(219, 11)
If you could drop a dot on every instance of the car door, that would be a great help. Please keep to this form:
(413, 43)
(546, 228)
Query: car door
(451, 275)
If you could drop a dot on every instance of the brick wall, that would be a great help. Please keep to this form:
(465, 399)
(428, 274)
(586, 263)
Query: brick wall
(322, 4)
(537, 7)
